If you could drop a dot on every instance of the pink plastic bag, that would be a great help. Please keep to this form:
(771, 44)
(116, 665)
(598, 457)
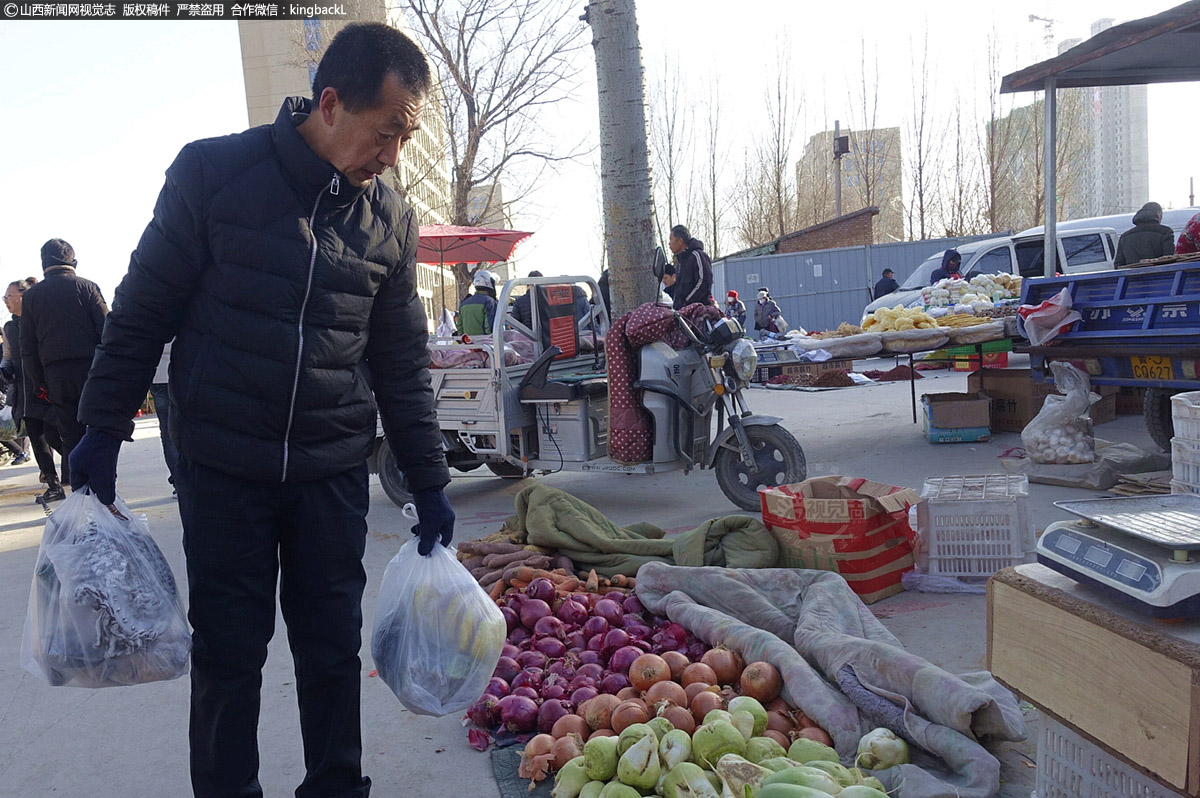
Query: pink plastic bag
(1041, 323)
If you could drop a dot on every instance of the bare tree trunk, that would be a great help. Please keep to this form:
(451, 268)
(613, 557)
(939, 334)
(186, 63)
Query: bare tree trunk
(625, 164)
(669, 136)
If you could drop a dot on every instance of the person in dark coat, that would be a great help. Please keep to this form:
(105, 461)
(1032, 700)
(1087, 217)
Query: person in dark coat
(285, 272)
(1149, 238)
(886, 285)
(766, 314)
(693, 269)
(522, 308)
(951, 263)
(35, 411)
(605, 292)
(61, 321)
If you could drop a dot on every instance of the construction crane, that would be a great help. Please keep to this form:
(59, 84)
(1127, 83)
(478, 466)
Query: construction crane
(1048, 36)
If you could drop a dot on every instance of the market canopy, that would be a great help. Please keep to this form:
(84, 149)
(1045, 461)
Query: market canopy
(1164, 48)
(445, 243)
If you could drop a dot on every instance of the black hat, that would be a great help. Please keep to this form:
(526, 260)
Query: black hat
(886, 272)
(57, 252)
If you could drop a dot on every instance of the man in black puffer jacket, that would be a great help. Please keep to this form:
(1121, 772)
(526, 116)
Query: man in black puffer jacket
(62, 319)
(1148, 239)
(693, 269)
(285, 273)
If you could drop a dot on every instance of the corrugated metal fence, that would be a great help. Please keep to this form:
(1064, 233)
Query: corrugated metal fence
(820, 289)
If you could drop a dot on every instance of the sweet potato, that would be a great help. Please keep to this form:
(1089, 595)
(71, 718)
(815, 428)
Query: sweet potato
(472, 563)
(497, 589)
(475, 547)
(562, 561)
(497, 560)
(491, 577)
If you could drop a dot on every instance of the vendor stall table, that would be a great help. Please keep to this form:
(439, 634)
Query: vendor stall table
(1121, 690)
(977, 350)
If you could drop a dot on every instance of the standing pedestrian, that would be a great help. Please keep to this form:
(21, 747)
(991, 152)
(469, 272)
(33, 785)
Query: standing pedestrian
(28, 407)
(886, 285)
(62, 318)
(693, 269)
(160, 393)
(1149, 238)
(285, 272)
(735, 308)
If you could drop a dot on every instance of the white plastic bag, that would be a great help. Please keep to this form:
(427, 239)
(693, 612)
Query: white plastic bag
(437, 635)
(103, 608)
(8, 427)
(1061, 433)
(1040, 323)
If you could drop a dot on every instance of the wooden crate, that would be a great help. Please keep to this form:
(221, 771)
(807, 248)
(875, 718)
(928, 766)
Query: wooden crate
(1127, 685)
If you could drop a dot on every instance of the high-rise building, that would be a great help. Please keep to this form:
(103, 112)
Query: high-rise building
(871, 177)
(1120, 162)
(279, 60)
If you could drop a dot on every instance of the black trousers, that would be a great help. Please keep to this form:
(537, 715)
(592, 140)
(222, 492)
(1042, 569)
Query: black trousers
(64, 383)
(44, 441)
(239, 536)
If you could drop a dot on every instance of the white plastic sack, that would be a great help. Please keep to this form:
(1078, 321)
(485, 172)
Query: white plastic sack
(1041, 323)
(103, 608)
(437, 635)
(8, 427)
(1061, 433)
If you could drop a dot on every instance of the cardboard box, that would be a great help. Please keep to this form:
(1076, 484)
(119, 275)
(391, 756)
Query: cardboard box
(956, 417)
(1016, 398)
(989, 360)
(854, 527)
(1130, 401)
(1105, 410)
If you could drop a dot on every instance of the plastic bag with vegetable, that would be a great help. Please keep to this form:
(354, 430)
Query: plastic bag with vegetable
(1061, 433)
(437, 635)
(103, 608)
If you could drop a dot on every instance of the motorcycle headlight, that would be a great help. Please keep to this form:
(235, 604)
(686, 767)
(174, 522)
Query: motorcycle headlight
(745, 359)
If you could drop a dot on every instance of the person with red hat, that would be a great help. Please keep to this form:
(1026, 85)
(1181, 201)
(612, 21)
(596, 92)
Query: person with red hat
(735, 308)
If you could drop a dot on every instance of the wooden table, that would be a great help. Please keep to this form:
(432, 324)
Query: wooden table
(1124, 681)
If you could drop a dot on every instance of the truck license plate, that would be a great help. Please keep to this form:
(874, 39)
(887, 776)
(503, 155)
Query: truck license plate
(1155, 367)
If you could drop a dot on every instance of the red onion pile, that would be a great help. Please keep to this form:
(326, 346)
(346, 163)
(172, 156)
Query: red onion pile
(565, 650)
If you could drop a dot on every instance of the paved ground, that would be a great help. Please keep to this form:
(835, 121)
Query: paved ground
(118, 743)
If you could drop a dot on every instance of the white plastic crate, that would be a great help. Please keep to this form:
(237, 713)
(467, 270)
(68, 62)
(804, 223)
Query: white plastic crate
(1068, 766)
(1184, 487)
(1185, 460)
(974, 525)
(1185, 415)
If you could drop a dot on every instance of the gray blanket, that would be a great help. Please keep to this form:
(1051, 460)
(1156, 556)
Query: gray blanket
(846, 671)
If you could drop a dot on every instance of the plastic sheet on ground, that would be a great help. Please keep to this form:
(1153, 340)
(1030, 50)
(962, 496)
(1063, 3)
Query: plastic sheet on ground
(812, 627)
(1112, 459)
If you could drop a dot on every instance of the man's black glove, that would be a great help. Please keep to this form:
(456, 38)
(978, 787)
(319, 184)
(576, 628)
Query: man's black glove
(436, 518)
(94, 463)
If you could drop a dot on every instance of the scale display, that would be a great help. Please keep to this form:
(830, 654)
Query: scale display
(1132, 571)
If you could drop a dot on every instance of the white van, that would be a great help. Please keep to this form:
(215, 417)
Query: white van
(1083, 249)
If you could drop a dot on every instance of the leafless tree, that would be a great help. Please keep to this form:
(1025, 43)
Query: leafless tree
(815, 179)
(754, 203)
(713, 168)
(783, 108)
(925, 136)
(625, 161)
(961, 206)
(670, 139)
(1006, 136)
(499, 64)
(873, 176)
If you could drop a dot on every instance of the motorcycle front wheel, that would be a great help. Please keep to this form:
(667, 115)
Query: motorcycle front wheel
(395, 484)
(778, 460)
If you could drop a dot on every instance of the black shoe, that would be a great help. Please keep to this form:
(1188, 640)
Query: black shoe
(20, 459)
(55, 493)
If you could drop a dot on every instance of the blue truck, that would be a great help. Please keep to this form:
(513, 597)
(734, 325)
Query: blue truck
(1140, 328)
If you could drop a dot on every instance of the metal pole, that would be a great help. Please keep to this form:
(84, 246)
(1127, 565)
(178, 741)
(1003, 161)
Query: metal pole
(837, 166)
(1051, 184)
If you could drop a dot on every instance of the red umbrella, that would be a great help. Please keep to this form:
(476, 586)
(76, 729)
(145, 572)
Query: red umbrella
(440, 243)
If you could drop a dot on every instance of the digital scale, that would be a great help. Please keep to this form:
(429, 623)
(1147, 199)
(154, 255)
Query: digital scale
(1144, 550)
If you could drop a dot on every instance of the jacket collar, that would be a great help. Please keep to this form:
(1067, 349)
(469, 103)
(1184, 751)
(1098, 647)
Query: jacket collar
(61, 269)
(308, 171)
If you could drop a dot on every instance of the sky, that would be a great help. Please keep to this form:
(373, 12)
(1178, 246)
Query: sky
(98, 110)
